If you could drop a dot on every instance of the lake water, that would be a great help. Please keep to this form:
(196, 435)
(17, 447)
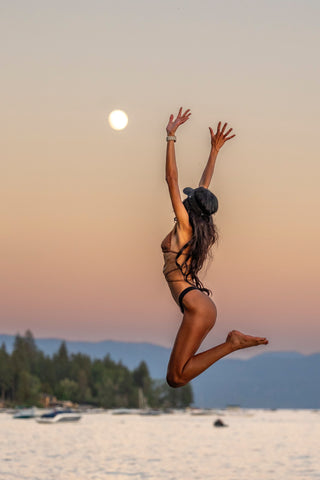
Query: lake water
(257, 445)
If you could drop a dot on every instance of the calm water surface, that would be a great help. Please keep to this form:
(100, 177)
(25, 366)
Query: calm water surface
(257, 445)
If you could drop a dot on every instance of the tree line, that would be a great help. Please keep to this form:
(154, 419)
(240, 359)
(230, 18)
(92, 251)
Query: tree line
(27, 374)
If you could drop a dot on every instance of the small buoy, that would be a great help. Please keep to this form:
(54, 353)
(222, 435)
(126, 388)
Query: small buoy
(219, 423)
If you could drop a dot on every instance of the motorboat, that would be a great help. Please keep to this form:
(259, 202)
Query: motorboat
(150, 411)
(123, 411)
(201, 411)
(26, 413)
(57, 416)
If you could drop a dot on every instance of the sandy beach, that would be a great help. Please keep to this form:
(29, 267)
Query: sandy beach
(257, 444)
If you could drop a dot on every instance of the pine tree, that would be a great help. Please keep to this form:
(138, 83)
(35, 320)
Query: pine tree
(6, 376)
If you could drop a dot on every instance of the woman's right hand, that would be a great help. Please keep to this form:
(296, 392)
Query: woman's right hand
(219, 138)
(173, 124)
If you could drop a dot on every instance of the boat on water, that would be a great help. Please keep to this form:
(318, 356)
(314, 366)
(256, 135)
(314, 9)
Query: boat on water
(27, 413)
(150, 412)
(123, 411)
(58, 416)
(237, 410)
(201, 411)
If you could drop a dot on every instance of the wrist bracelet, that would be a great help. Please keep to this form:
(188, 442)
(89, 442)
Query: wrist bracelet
(171, 137)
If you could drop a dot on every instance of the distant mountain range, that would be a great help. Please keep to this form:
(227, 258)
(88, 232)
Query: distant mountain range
(268, 380)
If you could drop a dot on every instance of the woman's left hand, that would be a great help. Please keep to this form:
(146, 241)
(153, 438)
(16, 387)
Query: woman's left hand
(220, 137)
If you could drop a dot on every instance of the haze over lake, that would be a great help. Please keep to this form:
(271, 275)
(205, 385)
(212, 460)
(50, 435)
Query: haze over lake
(257, 444)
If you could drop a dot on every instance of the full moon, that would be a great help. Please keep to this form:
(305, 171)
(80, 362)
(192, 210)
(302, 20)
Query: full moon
(118, 120)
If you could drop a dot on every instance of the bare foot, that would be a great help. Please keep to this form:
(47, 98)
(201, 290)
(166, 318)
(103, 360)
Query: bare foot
(239, 340)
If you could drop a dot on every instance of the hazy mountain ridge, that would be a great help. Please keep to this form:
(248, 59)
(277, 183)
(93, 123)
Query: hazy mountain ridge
(263, 381)
(268, 380)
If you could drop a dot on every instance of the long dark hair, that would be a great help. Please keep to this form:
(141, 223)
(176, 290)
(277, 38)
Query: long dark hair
(203, 238)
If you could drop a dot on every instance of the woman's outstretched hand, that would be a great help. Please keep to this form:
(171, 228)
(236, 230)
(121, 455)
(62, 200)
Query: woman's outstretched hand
(220, 137)
(174, 124)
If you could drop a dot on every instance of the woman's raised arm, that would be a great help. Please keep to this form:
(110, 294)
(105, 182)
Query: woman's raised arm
(217, 141)
(171, 168)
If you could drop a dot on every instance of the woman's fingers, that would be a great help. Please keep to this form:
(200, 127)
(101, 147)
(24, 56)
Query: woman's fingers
(181, 115)
(224, 127)
(220, 136)
(186, 114)
(228, 138)
(174, 122)
(222, 132)
(184, 117)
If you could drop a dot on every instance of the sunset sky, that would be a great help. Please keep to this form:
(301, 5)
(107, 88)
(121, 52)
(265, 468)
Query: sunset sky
(84, 208)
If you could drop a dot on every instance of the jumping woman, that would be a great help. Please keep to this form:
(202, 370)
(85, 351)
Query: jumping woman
(185, 249)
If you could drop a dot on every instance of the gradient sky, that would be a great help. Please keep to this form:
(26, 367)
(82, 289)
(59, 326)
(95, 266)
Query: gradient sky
(84, 208)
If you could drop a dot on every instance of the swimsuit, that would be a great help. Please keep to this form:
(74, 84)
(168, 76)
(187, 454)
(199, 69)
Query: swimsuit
(177, 282)
(182, 294)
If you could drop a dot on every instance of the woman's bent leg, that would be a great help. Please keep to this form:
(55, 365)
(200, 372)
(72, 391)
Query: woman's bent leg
(184, 363)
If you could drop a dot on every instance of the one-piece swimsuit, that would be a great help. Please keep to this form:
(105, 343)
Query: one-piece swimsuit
(176, 280)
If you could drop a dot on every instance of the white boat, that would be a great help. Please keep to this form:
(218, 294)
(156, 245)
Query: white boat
(201, 411)
(236, 410)
(26, 413)
(59, 416)
(123, 411)
(150, 411)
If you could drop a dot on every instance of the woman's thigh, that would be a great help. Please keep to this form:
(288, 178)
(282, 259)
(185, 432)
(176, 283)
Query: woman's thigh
(198, 319)
(200, 304)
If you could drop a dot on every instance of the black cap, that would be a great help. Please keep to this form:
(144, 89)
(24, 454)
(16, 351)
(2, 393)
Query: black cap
(201, 200)
(188, 191)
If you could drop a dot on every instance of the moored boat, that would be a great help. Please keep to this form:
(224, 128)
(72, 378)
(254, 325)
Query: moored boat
(201, 411)
(123, 411)
(58, 416)
(150, 411)
(26, 413)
